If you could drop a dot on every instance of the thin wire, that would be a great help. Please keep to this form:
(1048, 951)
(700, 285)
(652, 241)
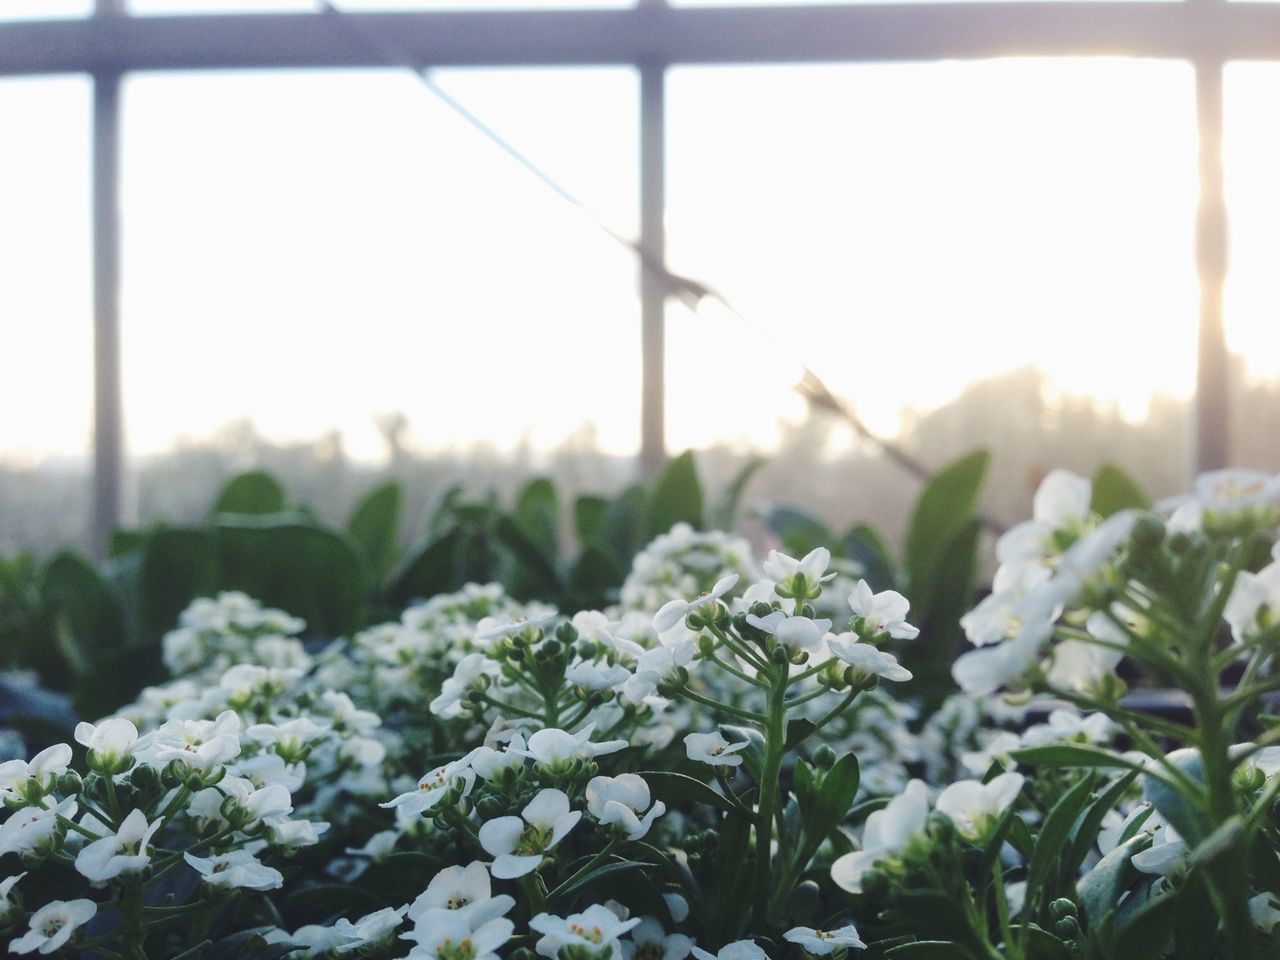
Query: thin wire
(692, 292)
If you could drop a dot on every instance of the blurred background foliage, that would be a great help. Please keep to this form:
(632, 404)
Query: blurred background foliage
(92, 632)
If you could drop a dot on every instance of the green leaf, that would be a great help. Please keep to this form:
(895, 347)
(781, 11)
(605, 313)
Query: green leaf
(595, 577)
(798, 730)
(310, 572)
(929, 950)
(1186, 817)
(177, 566)
(600, 873)
(1085, 834)
(1099, 890)
(677, 497)
(254, 492)
(432, 570)
(941, 514)
(725, 516)
(623, 523)
(374, 525)
(1114, 490)
(589, 514)
(1074, 755)
(732, 877)
(673, 788)
(865, 547)
(799, 532)
(1052, 837)
(1147, 933)
(536, 568)
(538, 515)
(84, 602)
(1042, 945)
(834, 799)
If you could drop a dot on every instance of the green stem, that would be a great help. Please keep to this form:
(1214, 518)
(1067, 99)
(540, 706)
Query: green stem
(132, 930)
(590, 865)
(723, 707)
(775, 734)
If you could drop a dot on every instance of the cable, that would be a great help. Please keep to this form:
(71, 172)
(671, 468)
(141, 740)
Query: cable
(692, 292)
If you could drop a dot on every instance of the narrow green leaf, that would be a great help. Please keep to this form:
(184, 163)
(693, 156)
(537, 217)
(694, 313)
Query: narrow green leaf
(673, 788)
(865, 547)
(1052, 837)
(725, 516)
(589, 513)
(941, 513)
(1074, 755)
(538, 515)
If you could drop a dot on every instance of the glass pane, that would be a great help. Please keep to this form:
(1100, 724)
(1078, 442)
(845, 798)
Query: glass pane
(310, 253)
(44, 9)
(221, 6)
(46, 315)
(1251, 146)
(994, 253)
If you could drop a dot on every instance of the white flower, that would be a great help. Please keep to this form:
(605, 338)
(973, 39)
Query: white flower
(975, 807)
(653, 667)
(125, 851)
(597, 929)
(592, 676)
(53, 924)
(1168, 858)
(33, 827)
(45, 768)
(621, 800)
(256, 805)
(867, 658)
(798, 633)
(648, 941)
(782, 569)
(318, 940)
(1068, 725)
(1061, 505)
(1254, 604)
(237, 869)
(738, 950)
(674, 611)
(451, 938)
(1263, 912)
(884, 612)
(996, 745)
(887, 832)
(201, 744)
(1000, 616)
(462, 891)
(433, 787)
(987, 669)
(496, 630)
(469, 669)
(111, 743)
(713, 749)
(369, 929)
(822, 942)
(489, 763)
(553, 748)
(289, 737)
(518, 846)
(6, 905)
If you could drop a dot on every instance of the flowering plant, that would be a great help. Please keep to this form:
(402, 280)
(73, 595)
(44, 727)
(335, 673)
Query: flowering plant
(728, 764)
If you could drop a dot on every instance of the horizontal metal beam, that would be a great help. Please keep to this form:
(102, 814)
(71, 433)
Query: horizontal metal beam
(646, 34)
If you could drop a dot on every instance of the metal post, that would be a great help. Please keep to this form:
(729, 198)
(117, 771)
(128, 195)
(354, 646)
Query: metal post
(108, 430)
(653, 286)
(1213, 441)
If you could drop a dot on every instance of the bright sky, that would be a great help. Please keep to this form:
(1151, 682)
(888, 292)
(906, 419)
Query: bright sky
(313, 249)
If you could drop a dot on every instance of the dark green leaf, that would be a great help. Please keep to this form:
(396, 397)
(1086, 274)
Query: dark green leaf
(432, 570)
(1052, 838)
(177, 566)
(589, 513)
(799, 532)
(536, 568)
(1099, 890)
(308, 571)
(1085, 834)
(1186, 817)
(1074, 755)
(673, 788)
(254, 492)
(624, 522)
(87, 606)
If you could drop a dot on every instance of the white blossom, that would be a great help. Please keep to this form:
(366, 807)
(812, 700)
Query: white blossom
(822, 942)
(713, 749)
(53, 924)
(122, 852)
(236, 869)
(887, 832)
(622, 800)
(884, 612)
(518, 845)
(597, 929)
(974, 806)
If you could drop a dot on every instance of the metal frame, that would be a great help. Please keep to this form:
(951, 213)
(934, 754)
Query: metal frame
(649, 37)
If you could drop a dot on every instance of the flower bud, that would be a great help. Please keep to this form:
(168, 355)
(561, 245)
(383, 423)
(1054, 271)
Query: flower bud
(70, 784)
(824, 758)
(567, 634)
(1062, 908)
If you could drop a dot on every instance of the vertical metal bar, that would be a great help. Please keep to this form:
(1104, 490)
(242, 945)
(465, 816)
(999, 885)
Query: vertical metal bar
(108, 429)
(1213, 441)
(653, 286)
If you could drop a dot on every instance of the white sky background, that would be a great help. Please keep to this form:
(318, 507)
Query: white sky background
(312, 249)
